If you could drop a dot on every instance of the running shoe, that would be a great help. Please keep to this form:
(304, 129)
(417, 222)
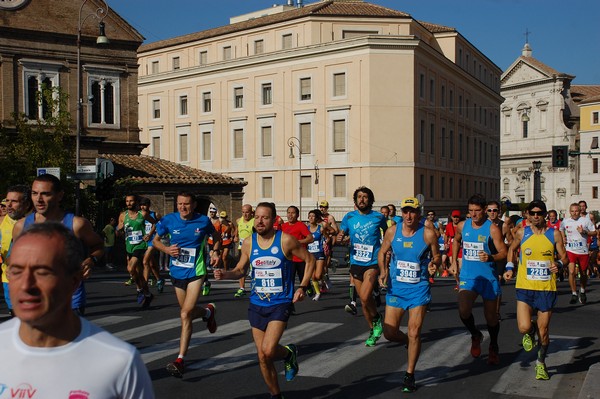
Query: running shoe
(431, 280)
(316, 297)
(176, 368)
(528, 342)
(582, 298)
(445, 273)
(573, 300)
(160, 285)
(150, 281)
(130, 281)
(206, 289)
(377, 327)
(327, 281)
(408, 383)
(456, 287)
(540, 372)
(211, 322)
(493, 358)
(476, 345)
(240, 293)
(351, 308)
(372, 340)
(291, 365)
(140, 297)
(147, 300)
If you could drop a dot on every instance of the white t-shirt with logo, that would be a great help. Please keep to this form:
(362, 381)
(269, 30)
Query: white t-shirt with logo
(576, 242)
(95, 365)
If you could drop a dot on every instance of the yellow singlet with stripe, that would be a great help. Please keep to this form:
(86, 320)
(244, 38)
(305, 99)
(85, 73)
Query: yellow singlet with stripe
(537, 255)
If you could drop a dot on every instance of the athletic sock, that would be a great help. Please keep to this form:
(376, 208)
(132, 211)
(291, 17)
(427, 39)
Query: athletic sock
(542, 350)
(469, 322)
(352, 294)
(494, 330)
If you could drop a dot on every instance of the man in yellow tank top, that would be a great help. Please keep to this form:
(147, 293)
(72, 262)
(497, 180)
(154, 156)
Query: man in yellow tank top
(534, 246)
(243, 230)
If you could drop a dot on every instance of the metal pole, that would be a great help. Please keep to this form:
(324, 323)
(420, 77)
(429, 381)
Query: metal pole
(537, 185)
(300, 176)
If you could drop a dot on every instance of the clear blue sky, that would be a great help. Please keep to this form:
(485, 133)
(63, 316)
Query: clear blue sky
(565, 35)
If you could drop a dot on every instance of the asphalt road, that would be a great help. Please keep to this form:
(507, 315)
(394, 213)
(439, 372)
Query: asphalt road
(334, 362)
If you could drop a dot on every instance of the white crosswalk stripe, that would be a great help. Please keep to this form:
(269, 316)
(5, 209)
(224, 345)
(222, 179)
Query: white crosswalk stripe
(246, 354)
(112, 320)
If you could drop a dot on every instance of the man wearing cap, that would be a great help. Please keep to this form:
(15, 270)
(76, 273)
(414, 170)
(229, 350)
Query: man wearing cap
(478, 273)
(415, 256)
(363, 227)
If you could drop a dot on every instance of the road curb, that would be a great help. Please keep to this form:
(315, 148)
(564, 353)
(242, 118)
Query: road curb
(591, 385)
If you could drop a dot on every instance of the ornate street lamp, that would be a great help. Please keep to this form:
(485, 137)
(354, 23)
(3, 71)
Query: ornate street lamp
(296, 142)
(537, 181)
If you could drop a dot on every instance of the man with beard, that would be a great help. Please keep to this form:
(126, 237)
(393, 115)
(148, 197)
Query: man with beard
(46, 195)
(364, 227)
(18, 204)
(270, 253)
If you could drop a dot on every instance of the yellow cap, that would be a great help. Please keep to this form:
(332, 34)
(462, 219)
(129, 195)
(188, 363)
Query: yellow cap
(410, 202)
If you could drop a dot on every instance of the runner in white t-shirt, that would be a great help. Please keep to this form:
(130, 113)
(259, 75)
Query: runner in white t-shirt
(576, 230)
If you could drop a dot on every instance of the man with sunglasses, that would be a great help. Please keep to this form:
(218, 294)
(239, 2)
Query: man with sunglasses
(478, 274)
(493, 214)
(415, 256)
(536, 279)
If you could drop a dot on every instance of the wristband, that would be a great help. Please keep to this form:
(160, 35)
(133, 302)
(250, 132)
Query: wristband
(304, 288)
(510, 266)
(560, 264)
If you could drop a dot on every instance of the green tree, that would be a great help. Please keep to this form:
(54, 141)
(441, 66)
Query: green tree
(30, 144)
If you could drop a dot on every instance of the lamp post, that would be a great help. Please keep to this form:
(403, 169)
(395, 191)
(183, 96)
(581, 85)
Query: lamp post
(296, 142)
(99, 14)
(537, 181)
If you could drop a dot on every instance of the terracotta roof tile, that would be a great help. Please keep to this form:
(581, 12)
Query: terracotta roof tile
(339, 8)
(151, 170)
(541, 66)
(585, 93)
(435, 28)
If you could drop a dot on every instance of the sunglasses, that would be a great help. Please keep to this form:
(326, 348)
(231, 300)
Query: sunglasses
(492, 210)
(431, 214)
(537, 213)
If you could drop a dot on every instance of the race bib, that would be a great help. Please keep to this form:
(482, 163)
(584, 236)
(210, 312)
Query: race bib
(408, 272)
(362, 253)
(268, 281)
(574, 244)
(135, 236)
(186, 258)
(471, 250)
(313, 247)
(538, 270)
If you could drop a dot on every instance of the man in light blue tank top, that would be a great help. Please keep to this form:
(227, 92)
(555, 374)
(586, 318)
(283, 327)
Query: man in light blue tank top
(46, 195)
(364, 227)
(415, 257)
(270, 253)
(478, 273)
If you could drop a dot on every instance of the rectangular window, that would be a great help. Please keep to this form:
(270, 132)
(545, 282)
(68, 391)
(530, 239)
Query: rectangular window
(451, 144)
(267, 187)
(525, 129)
(154, 67)
(595, 192)
(203, 57)
(460, 147)
(305, 138)
(156, 109)
(305, 89)
(183, 148)
(206, 146)
(238, 95)
(183, 105)
(432, 139)
(422, 184)
(339, 186)
(443, 95)
(176, 64)
(206, 102)
(595, 165)
(339, 135)
(451, 187)
(238, 143)
(267, 94)
(266, 141)
(422, 86)
(451, 100)
(595, 117)
(460, 104)
(259, 46)
(443, 187)
(226, 53)
(432, 90)
(339, 84)
(104, 109)
(443, 142)
(467, 108)
(422, 137)
(431, 186)
(286, 41)
(594, 144)
(306, 186)
(156, 147)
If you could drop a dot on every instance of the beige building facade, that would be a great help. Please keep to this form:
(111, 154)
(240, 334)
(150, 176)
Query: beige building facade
(368, 96)
(589, 132)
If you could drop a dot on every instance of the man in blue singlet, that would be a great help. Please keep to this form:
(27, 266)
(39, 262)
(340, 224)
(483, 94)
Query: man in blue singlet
(270, 253)
(189, 232)
(46, 195)
(364, 227)
(415, 256)
(478, 273)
